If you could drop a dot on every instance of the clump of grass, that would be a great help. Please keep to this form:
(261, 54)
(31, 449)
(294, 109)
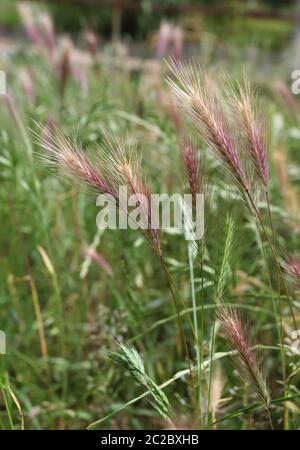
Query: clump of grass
(240, 147)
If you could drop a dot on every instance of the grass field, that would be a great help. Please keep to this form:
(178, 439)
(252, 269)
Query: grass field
(104, 330)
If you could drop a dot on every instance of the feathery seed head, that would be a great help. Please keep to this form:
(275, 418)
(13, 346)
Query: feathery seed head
(292, 267)
(106, 174)
(247, 114)
(27, 84)
(47, 29)
(238, 336)
(63, 66)
(65, 154)
(91, 40)
(190, 162)
(28, 21)
(196, 95)
(124, 168)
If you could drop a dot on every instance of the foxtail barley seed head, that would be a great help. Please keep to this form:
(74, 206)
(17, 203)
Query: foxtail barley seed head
(106, 174)
(247, 116)
(91, 40)
(65, 154)
(238, 336)
(163, 38)
(47, 30)
(191, 165)
(29, 24)
(197, 97)
(124, 168)
(291, 266)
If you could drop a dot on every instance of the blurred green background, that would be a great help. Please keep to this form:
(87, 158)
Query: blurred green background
(264, 23)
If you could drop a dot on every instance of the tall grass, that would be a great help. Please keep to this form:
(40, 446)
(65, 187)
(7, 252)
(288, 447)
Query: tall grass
(99, 322)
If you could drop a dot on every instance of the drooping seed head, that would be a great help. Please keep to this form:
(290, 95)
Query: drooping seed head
(91, 40)
(29, 23)
(163, 38)
(65, 154)
(291, 266)
(177, 40)
(196, 95)
(237, 334)
(47, 30)
(252, 128)
(63, 65)
(124, 168)
(106, 173)
(191, 165)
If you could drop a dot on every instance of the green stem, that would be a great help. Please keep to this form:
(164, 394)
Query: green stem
(195, 318)
(7, 407)
(211, 354)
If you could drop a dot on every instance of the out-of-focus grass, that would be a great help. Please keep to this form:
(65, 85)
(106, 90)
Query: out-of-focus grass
(9, 15)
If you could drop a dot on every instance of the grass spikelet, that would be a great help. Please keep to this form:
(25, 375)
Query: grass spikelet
(63, 66)
(123, 166)
(191, 166)
(48, 34)
(237, 334)
(129, 358)
(107, 172)
(197, 96)
(246, 113)
(65, 154)
(291, 266)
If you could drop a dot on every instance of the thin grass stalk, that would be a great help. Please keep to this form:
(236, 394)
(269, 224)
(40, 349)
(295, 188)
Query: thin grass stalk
(196, 328)
(59, 312)
(195, 176)
(222, 272)
(270, 418)
(62, 326)
(39, 318)
(29, 150)
(201, 308)
(279, 324)
(281, 329)
(181, 329)
(238, 336)
(211, 354)
(7, 407)
(270, 217)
